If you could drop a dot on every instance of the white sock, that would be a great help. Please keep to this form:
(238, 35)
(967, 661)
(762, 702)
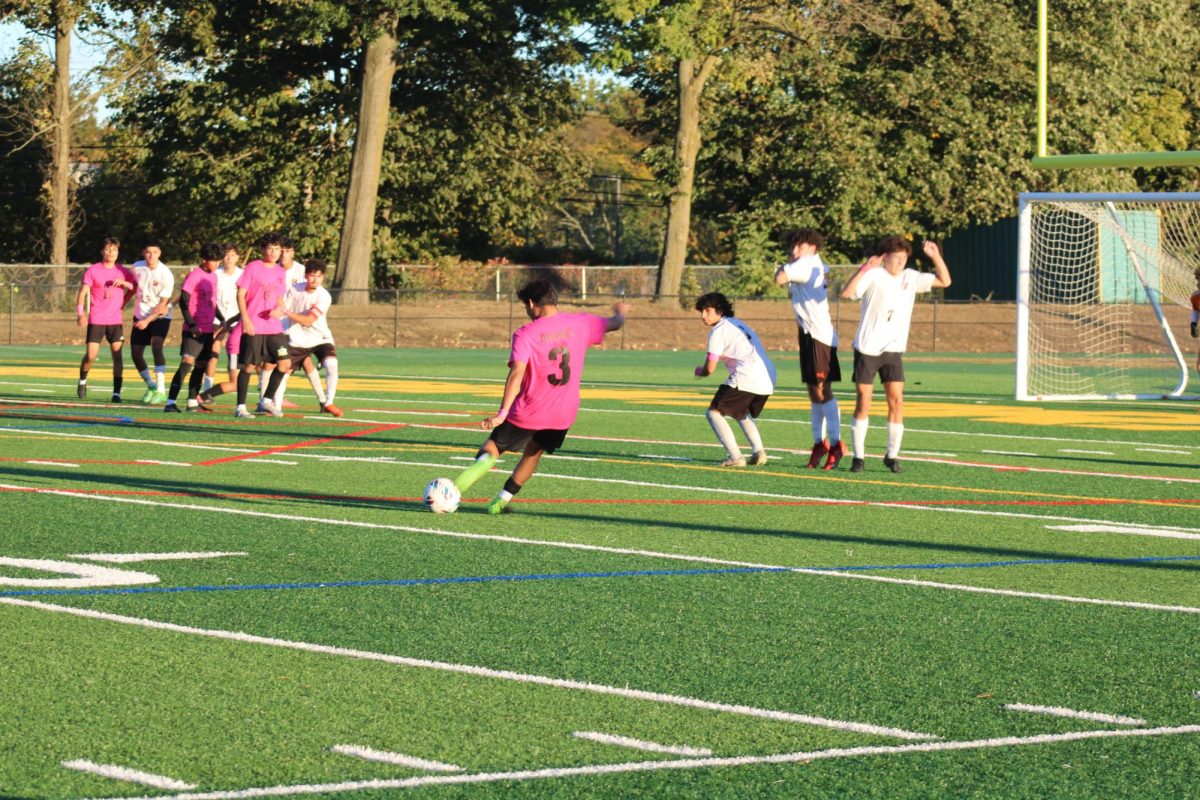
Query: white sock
(160, 375)
(279, 392)
(314, 378)
(83, 381)
(833, 421)
(895, 434)
(818, 422)
(750, 428)
(505, 495)
(724, 433)
(858, 430)
(331, 377)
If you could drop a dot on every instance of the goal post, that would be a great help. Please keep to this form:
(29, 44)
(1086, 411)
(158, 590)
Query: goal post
(1094, 273)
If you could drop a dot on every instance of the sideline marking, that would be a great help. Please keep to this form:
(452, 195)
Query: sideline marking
(126, 774)
(640, 744)
(1054, 711)
(482, 672)
(1116, 527)
(399, 759)
(652, 766)
(625, 551)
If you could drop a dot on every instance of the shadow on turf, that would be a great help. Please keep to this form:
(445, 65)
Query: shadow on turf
(1006, 552)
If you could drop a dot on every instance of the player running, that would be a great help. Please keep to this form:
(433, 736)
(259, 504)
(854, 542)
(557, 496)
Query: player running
(751, 378)
(541, 393)
(888, 291)
(107, 287)
(806, 277)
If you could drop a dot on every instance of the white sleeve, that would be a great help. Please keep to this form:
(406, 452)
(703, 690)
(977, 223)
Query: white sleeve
(716, 341)
(924, 281)
(865, 282)
(800, 270)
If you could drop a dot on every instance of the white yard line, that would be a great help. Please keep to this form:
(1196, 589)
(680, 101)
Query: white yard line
(1008, 453)
(640, 744)
(129, 775)
(398, 759)
(133, 558)
(1128, 530)
(482, 672)
(692, 763)
(52, 463)
(1086, 452)
(1054, 711)
(618, 550)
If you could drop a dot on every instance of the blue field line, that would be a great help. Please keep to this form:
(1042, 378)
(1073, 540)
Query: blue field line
(557, 576)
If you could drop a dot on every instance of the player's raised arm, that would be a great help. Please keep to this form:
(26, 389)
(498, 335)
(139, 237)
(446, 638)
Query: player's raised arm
(850, 290)
(617, 320)
(781, 278)
(934, 254)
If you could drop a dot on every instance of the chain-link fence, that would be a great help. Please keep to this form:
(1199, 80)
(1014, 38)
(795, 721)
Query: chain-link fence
(427, 307)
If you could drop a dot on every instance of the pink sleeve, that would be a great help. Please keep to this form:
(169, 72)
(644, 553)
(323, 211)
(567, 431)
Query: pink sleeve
(521, 352)
(87, 278)
(598, 328)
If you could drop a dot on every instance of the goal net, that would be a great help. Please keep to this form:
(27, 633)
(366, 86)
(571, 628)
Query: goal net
(1100, 282)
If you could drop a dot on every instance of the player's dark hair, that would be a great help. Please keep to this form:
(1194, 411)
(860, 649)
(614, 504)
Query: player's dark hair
(715, 300)
(540, 292)
(802, 236)
(893, 244)
(110, 240)
(227, 247)
(271, 238)
(211, 251)
(286, 243)
(315, 265)
(151, 241)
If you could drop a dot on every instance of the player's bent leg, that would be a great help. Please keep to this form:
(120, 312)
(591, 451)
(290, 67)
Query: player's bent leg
(523, 472)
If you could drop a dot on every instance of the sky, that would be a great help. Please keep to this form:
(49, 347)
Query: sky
(84, 56)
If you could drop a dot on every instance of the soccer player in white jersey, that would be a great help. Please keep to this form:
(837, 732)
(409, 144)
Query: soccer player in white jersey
(151, 319)
(751, 378)
(228, 315)
(295, 271)
(887, 290)
(806, 278)
(309, 337)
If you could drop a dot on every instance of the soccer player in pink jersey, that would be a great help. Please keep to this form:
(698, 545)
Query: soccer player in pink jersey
(107, 287)
(1196, 313)
(198, 305)
(541, 394)
(261, 289)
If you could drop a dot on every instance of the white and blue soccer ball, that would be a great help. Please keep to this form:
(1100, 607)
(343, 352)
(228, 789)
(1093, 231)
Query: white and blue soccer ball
(442, 496)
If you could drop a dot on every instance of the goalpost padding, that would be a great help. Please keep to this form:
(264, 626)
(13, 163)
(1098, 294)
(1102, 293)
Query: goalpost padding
(1094, 274)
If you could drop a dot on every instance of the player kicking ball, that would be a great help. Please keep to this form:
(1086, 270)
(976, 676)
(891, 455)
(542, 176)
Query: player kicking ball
(541, 393)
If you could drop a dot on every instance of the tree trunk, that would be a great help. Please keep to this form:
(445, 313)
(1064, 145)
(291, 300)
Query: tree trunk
(59, 200)
(358, 225)
(692, 76)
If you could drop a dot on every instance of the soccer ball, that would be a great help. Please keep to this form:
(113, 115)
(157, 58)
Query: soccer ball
(442, 496)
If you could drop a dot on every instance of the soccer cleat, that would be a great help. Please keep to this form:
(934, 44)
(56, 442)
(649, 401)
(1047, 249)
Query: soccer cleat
(171, 408)
(200, 408)
(819, 449)
(739, 461)
(160, 395)
(837, 452)
(261, 408)
(204, 398)
(498, 505)
(148, 397)
(331, 409)
(892, 463)
(857, 465)
(116, 398)
(81, 391)
(757, 459)
(269, 407)
(241, 412)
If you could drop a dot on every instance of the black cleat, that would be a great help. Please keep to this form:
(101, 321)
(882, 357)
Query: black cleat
(893, 464)
(857, 465)
(116, 398)
(81, 391)
(171, 408)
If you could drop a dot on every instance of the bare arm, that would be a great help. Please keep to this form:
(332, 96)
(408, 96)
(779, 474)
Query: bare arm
(247, 324)
(512, 387)
(781, 278)
(851, 287)
(617, 320)
(941, 271)
(707, 368)
(80, 309)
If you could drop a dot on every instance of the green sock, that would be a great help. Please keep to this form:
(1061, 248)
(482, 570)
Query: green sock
(474, 472)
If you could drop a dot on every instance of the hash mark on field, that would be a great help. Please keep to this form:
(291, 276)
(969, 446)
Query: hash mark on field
(639, 744)
(1087, 452)
(1167, 452)
(1133, 530)
(398, 759)
(126, 774)
(52, 463)
(1009, 453)
(664, 458)
(155, 462)
(1054, 711)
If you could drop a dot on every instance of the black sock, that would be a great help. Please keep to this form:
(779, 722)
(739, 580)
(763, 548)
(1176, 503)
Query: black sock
(197, 380)
(177, 381)
(243, 387)
(511, 486)
(272, 385)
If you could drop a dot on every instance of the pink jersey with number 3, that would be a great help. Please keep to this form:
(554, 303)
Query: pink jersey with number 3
(553, 349)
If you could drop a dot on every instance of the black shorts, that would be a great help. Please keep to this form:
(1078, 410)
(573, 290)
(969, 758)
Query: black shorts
(263, 348)
(818, 361)
(197, 345)
(115, 334)
(158, 329)
(319, 353)
(511, 439)
(735, 403)
(889, 366)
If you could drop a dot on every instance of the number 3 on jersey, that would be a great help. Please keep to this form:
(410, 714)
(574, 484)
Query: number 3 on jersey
(563, 357)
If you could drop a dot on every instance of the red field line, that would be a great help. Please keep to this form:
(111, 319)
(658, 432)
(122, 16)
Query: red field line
(298, 445)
